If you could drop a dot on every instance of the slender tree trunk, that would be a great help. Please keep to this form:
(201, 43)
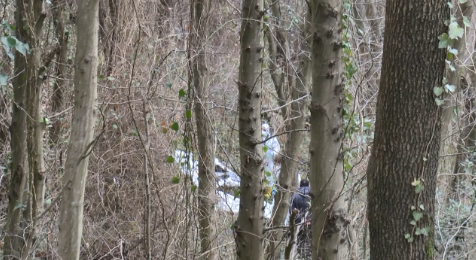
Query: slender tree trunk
(449, 163)
(200, 9)
(35, 196)
(249, 228)
(329, 209)
(81, 139)
(60, 68)
(404, 162)
(287, 175)
(13, 240)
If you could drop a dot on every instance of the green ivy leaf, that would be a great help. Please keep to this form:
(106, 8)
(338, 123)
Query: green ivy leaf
(424, 231)
(466, 22)
(445, 41)
(450, 88)
(417, 215)
(181, 93)
(438, 91)
(267, 173)
(450, 5)
(170, 159)
(237, 194)
(439, 102)
(193, 188)
(176, 180)
(413, 223)
(12, 42)
(417, 231)
(175, 126)
(265, 149)
(422, 207)
(463, 1)
(188, 114)
(114, 126)
(168, 84)
(455, 31)
(3, 79)
(454, 51)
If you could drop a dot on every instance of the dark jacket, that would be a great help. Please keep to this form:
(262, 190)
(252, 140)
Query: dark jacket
(300, 200)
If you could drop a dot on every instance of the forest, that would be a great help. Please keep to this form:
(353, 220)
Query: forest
(238, 129)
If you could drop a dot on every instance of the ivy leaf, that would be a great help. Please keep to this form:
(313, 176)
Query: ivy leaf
(237, 194)
(12, 42)
(450, 5)
(267, 173)
(3, 79)
(450, 88)
(418, 231)
(463, 1)
(438, 91)
(188, 114)
(454, 51)
(408, 238)
(170, 159)
(175, 180)
(445, 41)
(425, 231)
(418, 189)
(193, 188)
(466, 22)
(413, 223)
(168, 84)
(417, 215)
(114, 126)
(439, 102)
(175, 126)
(265, 149)
(455, 31)
(23, 48)
(422, 207)
(181, 93)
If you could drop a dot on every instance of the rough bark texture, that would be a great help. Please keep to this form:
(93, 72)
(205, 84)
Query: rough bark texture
(329, 210)
(13, 240)
(83, 121)
(407, 132)
(206, 167)
(249, 228)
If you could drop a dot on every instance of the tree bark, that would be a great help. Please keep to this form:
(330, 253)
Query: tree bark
(60, 68)
(36, 194)
(404, 156)
(13, 240)
(200, 10)
(329, 209)
(299, 87)
(83, 122)
(249, 228)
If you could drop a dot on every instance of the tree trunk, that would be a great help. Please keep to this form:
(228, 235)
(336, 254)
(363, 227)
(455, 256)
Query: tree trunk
(13, 240)
(249, 228)
(299, 87)
(329, 209)
(200, 10)
(449, 164)
(60, 69)
(82, 130)
(36, 194)
(403, 166)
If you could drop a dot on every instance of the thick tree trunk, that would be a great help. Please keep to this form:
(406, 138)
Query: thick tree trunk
(200, 9)
(249, 228)
(13, 241)
(82, 130)
(329, 209)
(403, 166)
